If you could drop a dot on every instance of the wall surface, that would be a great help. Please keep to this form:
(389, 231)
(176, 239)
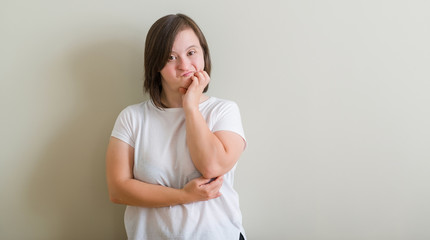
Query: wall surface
(334, 97)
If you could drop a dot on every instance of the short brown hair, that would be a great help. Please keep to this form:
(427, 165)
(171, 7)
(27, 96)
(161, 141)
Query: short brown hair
(158, 46)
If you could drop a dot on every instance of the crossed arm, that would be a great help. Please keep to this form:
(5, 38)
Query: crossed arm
(124, 189)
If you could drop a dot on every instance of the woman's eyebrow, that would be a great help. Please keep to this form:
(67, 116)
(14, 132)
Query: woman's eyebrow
(192, 46)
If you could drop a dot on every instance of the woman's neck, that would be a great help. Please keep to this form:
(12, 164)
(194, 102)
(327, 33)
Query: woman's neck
(175, 101)
(171, 101)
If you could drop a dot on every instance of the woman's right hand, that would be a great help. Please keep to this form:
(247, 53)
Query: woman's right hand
(203, 189)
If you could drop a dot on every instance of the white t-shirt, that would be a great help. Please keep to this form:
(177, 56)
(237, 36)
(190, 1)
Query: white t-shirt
(161, 157)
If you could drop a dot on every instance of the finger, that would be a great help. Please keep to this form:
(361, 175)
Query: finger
(206, 75)
(199, 76)
(211, 180)
(215, 180)
(214, 186)
(218, 195)
(201, 181)
(219, 183)
(194, 83)
(205, 79)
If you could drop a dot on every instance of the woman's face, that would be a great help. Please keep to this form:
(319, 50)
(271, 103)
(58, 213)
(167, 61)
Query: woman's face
(185, 59)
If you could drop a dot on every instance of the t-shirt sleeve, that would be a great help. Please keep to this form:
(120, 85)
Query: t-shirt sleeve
(123, 128)
(229, 119)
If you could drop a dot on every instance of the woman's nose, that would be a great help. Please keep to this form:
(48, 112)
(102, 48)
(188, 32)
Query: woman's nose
(184, 63)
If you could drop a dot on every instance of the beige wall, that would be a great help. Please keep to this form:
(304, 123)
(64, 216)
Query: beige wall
(334, 97)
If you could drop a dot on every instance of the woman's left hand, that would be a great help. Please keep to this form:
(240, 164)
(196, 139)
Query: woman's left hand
(191, 96)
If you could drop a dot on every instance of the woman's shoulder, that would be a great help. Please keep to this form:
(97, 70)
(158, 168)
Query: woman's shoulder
(214, 104)
(136, 106)
(215, 101)
(135, 109)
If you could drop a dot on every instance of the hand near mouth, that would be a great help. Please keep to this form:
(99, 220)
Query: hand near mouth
(191, 95)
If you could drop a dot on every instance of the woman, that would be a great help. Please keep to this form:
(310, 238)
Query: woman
(171, 159)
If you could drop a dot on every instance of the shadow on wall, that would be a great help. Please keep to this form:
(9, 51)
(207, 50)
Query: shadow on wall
(68, 188)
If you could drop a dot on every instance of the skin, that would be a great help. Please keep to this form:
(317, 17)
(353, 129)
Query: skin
(182, 68)
(213, 154)
(124, 189)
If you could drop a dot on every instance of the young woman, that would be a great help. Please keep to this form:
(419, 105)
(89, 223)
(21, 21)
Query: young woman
(171, 159)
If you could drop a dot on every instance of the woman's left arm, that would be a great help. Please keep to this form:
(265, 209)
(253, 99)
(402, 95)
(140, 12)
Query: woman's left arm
(213, 154)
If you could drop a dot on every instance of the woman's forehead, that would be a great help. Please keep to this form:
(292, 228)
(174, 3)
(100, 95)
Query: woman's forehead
(184, 40)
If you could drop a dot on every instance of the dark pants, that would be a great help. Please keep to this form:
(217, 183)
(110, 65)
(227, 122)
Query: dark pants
(241, 237)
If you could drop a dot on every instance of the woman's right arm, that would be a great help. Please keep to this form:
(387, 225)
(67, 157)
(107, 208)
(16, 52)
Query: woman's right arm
(124, 189)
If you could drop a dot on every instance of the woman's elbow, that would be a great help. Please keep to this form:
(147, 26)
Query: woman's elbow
(114, 195)
(114, 198)
(209, 174)
(212, 171)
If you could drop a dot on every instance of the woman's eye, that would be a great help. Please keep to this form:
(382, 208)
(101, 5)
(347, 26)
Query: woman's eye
(171, 58)
(190, 53)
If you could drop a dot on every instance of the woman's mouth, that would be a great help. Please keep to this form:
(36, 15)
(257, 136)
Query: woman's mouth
(187, 74)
